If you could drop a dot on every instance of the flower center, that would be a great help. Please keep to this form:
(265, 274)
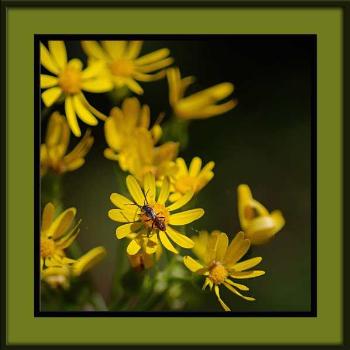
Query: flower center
(122, 68)
(217, 273)
(47, 247)
(70, 80)
(185, 184)
(161, 213)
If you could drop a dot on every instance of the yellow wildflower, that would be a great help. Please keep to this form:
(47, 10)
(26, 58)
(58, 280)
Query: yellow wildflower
(132, 143)
(123, 66)
(69, 82)
(53, 152)
(219, 263)
(257, 223)
(193, 178)
(56, 235)
(59, 276)
(200, 105)
(137, 214)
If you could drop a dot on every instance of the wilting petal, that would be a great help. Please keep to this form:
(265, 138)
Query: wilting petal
(62, 223)
(235, 291)
(47, 217)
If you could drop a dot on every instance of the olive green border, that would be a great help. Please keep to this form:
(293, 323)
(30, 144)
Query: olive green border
(23, 328)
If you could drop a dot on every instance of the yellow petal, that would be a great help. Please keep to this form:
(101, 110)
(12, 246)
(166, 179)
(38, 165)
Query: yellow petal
(247, 264)
(164, 191)
(195, 166)
(47, 61)
(133, 86)
(58, 52)
(93, 49)
(133, 49)
(74, 164)
(71, 117)
(217, 292)
(247, 274)
(124, 230)
(62, 223)
(135, 190)
(152, 57)
(181, 202)
(50, 96)
(133, 247)
(166, 243)
(235, 291)
(97, 113)
(156, 65)
(47, 216)
(47, 81)
(93, 70)
(120, 201)
(237, 285)
(123, 215)
(237, 249)
(83, 113)
(221, 246)
(192, 265)
(186, 217)
(97, 85)
(115, 48)
(261, 229)
(180, 239)
(88, 260)
(214, 110)
(65, 241)
(149, 187)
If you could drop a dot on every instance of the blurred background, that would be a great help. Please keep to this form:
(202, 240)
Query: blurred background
(264, 142)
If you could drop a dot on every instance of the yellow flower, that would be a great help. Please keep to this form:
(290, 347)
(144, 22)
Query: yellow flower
(59, 276)
(123, 65)
(200, 105)
(257, 223)
(68, 82)
(137, 214)
(56, 235)
(53, 152)
(193, 178)
(219, 263)
(132, 143)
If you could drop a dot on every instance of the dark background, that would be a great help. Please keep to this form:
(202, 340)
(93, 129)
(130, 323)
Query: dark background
(264, 142)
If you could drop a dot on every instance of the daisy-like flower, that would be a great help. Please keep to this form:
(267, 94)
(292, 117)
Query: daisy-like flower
(132, 143)
(189, 179)
(219, 263)
(60, 276)
(56, 235)
(200, 105)
(149, 218)
(68, 82)
(53, 153)
(123, 65)
(257, 223)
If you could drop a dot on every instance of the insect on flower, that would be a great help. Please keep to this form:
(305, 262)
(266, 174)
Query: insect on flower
(149, 214)
(151, 224)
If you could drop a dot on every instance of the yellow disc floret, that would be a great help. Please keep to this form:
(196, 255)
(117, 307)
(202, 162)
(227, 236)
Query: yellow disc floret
(217, 273)
(122, 68)
(70, 80)
(47, 247)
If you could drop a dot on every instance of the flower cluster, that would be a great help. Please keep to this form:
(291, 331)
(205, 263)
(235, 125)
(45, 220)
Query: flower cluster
(154, 213)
